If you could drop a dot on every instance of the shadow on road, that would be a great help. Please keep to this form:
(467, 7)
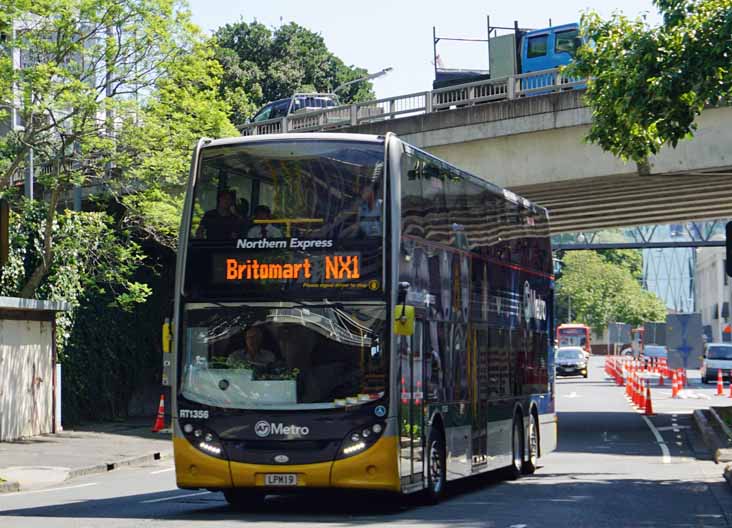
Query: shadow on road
(545, 499)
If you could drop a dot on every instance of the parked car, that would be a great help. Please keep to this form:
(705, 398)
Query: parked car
(655, 351)
(571, 361)
(717, 356)
(295, 104)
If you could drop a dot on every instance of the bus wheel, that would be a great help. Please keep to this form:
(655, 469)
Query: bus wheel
(517, 449)
(436, 471)
(243, 499)
(529, 466)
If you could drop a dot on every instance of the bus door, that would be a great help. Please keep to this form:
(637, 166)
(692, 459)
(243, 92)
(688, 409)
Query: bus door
(411, 408)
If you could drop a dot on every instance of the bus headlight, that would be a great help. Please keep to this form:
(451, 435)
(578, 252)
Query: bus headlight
(205, 441)
(360, 439)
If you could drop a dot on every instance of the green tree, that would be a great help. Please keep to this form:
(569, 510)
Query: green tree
(646, 85)
(154, 148)
(602, 291)
(262, 65)
(629, 259)
(85, 63)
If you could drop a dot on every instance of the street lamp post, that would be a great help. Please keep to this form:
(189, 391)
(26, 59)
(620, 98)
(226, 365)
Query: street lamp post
(366, 78)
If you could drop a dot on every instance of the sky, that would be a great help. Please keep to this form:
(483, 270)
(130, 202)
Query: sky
(398, 33)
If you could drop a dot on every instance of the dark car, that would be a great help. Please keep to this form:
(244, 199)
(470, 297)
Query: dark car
(295, 104)
(570, 361)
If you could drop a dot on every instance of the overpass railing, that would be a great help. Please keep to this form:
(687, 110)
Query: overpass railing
(451, 97)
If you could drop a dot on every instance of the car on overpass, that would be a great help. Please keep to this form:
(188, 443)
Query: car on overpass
(297, 103)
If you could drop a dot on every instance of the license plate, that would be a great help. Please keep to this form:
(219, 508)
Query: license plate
(280, 479)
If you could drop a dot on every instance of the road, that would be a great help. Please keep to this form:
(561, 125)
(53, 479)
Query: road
(610, 470)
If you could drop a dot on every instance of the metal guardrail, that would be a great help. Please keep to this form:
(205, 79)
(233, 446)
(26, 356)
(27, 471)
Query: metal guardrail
(458, 96)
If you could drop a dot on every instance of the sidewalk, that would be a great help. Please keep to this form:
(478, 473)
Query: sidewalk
(94, 448)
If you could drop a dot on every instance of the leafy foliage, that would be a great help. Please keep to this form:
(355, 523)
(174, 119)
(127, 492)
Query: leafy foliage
(263, 65)
(647, 85)
(155, 148)
(604, 290)
(94, 257)
(84, 63)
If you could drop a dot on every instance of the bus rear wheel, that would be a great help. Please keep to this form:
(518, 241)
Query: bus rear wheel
(532, 458)
(436, 470)
(517, 449)
(243, 499)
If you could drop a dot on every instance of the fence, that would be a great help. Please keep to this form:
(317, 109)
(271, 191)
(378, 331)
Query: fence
(459, 96)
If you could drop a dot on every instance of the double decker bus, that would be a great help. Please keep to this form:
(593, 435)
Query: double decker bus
(352, 312)
(573, 334)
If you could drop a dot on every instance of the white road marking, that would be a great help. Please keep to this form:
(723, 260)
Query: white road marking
(659, 439)
(175, 497)
(674, 428)
(49, 489)
(166, 470)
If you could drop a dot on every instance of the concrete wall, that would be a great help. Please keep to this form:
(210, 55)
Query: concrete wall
(541, 140)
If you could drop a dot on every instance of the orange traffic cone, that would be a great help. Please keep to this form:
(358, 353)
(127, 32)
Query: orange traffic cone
(641, 396)
(730, 384)
(160, 420)
(660, 377)
(720, 383)
(674, 384)
(649, 404)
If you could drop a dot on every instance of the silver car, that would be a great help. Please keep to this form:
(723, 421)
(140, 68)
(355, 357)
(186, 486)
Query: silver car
(570, 361)
(717, 356)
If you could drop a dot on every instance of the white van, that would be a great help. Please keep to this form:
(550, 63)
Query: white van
(717, 356)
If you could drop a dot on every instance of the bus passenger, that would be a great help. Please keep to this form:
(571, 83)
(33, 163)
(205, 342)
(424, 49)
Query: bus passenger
(263, 230)
(368, 215)
(222, 223)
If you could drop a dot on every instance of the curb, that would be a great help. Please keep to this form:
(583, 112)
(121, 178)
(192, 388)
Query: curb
(111, 466)
(707, 432)
(11, 486)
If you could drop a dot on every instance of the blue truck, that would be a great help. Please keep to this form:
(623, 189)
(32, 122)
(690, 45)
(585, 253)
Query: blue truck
(519, 51)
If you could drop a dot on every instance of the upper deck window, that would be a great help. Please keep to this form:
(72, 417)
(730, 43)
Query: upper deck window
(297, 216)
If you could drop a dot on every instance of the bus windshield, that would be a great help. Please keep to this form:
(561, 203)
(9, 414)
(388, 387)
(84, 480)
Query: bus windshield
(262, 356)
(572, 337)
(288, 219)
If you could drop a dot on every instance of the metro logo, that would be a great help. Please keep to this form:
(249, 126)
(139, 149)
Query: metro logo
(342, 267)
(264, 429)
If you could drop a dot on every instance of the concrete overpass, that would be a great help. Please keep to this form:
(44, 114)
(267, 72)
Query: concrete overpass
(535, 146)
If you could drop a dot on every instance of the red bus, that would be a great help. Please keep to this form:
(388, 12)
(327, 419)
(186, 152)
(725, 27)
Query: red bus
(574, 335)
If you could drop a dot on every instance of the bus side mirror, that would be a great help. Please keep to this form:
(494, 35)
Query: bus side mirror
(166, 336)
(404, 321)
(728, 244)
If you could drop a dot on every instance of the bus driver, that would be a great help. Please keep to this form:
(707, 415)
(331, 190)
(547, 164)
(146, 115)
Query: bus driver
(252, 353)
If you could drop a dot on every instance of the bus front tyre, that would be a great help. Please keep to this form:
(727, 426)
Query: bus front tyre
(243, 499)
(436, 470)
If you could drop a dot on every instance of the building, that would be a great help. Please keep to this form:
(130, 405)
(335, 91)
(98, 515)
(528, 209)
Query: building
(713, 292)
